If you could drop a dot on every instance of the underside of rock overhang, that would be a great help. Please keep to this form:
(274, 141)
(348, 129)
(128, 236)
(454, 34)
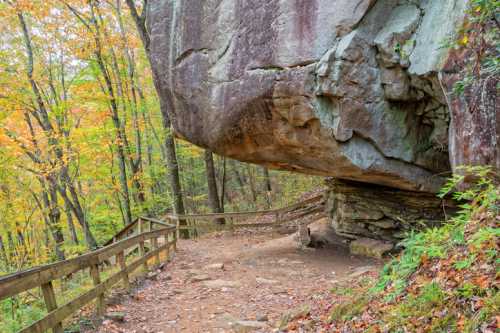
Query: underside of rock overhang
(341, 88)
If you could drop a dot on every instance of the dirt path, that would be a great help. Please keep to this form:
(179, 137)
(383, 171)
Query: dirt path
(263, 275)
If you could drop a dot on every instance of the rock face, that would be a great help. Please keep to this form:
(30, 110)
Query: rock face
(345, 88)
(358, 210)
(475, 114)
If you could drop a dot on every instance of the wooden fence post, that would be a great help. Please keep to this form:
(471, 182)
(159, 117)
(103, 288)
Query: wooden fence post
(167, 248)
(231, 226)
(50, 302)
(120, 258)
(142, 253)
(151, 241)
(142, 249)
(177, 224)
(155, 247)
(175, 238)
(100, 302)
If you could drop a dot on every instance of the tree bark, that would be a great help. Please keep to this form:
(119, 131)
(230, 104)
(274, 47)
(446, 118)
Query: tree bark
(213, 196)
(174, 175)
(52, 218)
(3, 253)
(135, 163)
(251, 183)
(267, 186)
(71, 225)
(239, 179)
(223, 185)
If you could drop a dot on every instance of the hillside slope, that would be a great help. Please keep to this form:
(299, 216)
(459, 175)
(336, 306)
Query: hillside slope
(446, 279)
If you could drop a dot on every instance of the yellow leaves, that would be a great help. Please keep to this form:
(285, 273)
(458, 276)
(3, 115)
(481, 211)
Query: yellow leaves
(464, 40)
(189, 149)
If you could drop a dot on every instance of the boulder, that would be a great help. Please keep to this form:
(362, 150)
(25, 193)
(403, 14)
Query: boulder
(370, 247)
(340, 88)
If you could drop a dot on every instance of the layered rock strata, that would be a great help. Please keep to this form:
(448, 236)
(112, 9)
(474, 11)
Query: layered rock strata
(357, 210)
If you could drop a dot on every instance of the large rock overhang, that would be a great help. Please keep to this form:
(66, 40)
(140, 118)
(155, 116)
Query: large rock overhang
(342, 88)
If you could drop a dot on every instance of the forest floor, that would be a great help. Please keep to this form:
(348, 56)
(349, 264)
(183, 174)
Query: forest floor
(223, 282)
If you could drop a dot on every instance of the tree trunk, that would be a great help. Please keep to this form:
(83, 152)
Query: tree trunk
(50, 218)
(213, 196)
(240, 180)
(223, 185)
(165, 101)
(267, 186)
(251, 182)
(12, 246)
(135, 163)
(93, 26)
(3, 253)
(50, 202)
(124, 185)
(174, 178)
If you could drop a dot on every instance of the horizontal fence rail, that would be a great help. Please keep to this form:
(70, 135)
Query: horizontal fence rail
(44, 276)
(131, 238)
(245, 215)
(290, 213)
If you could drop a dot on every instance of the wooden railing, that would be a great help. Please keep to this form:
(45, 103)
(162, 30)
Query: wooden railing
(138, 226)
(129, 239)
(283, 215)
(162, 239)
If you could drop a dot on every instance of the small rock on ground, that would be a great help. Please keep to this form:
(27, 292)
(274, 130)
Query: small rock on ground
(266, 281)
(262, 318)
(362, 270)
(116, 316)
(370, 247)
(215, 266)
(199, 278)
(221, 284)
(244, 326)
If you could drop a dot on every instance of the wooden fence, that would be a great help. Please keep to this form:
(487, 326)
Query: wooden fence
(161, 239)
(283, 215)
(131, 238)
